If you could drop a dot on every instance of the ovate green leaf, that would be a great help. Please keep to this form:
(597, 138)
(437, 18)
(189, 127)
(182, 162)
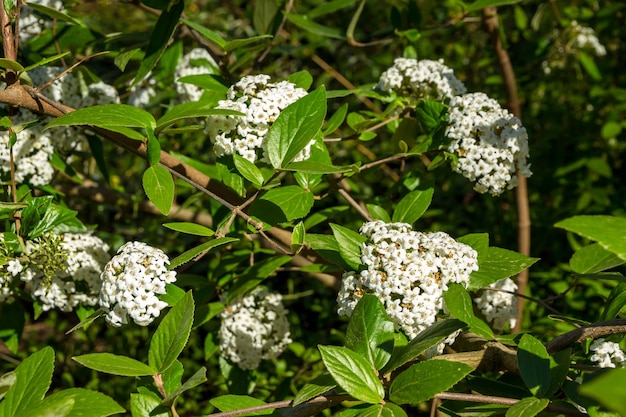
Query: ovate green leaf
(349, 243)
(353, 373)
(496, 264)
(459, 303)
(190, 228)
(106, 116)
(594, 258)
(88, 403)
(159, 187)
(534, 365)
(114, 364)
(204, 247)
(527, 407)
(608, 231)
(412, 206)
(282, 204)
(317, 386)
(608, 389)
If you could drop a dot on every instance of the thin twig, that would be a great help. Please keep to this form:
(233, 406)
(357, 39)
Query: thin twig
(592, 331)
(490, 20)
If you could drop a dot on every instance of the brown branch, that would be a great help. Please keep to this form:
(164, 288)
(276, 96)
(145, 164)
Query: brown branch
(285, 407)
(490, 20)
(592, 331)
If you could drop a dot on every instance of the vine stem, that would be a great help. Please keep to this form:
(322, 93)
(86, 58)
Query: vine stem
(490, 20)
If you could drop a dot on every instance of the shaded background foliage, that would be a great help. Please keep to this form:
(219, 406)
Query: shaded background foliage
(574, 117)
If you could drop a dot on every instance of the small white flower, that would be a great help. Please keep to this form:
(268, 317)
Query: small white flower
(411, 288)
(607, 354)
(131, 282)
(261, 102)
(491, 143)
(195, 62)
(254, 328)
(424, 79)
(498, 307)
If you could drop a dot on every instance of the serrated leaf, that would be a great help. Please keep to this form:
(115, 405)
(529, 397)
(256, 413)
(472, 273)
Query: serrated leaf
(496, 264)
(412, 206)
(32, 380)
(196, 379)
(459, 303)
(608, 231)
(106, 116)
(146, 405)
(110, 363)
(231, 402)
(317, 386)
(248, 170)
(534, 364)
(527, 407)
(171, 336)
(370, 331)
(353, 373)
(160, 37)
(194, 252)
(295, 127)
(594, 258)
(282, 204)
(430, 337)
(56, 407)
(190, 228)
(88, 403)
(159, 187)
(349, 243)
(424, 380)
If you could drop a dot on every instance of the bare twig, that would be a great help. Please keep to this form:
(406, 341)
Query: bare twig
(592, 331)
(490, 20)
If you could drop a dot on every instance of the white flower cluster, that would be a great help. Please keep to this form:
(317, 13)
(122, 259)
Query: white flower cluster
(408, 271)
(254, 328)
(261, 102)
(74, 280)
(491, 143)
(32, 24)
(424, 79)
(195, 62)
(7, 272)
(570, 42)
(131, 282)
(499, 307)
(607, 354)
(34, 146)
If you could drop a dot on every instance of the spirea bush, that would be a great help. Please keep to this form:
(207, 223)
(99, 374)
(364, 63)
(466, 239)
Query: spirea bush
(249, 208)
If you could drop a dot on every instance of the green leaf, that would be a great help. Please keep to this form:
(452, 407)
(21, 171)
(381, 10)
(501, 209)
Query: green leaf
(153, 148)
(161, 35)
(370, 331)
(412, 206)
(171, 336)
(115, 364)
(349, 243)
(191, 110)
(327, 247)
(194, 252)
(481, 4)
(329, 7)
(231, 402)
(527, 407)
(159, 187)
(12, 323)
(559, 367)
(589, 65)
(144, 405)
(378, 213)
(496, 264)
(383, 410)
(295, 127)
(430, 114)
(302, 21)
(424, 380)
(196, 379)
(297, 237)
(317, 386)
(88, 403)
(592, 259)
(608, 231)
(248, 170)
(264, 15)
(459, 303)
(282, 204)
(302, 79)
(206, 33)
(55, 407)
(106, 116)
(122, 59)
(534, 365)
(608, 389)
(32, 380)
(53, 13)
(615, 303)
(190, 228)
(240, 43)
(11, 65)
(46, 61)
(430, 337)
(335, 120)
(353, 373)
